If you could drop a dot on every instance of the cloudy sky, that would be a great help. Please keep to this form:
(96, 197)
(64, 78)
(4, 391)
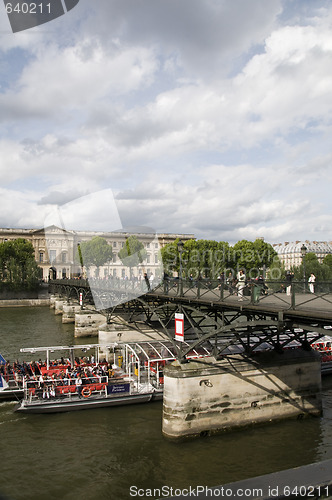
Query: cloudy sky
(211, 117)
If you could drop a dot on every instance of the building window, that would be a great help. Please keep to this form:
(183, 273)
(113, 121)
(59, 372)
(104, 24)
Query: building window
(114, 244)
(156, 258)
(52, 256)
(41, 256)
(64, 257)
(148, 258)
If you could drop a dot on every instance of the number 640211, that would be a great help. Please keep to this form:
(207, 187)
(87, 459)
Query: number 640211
(28, 8)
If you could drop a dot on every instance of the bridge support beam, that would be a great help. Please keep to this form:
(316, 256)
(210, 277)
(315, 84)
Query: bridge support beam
(208, 396)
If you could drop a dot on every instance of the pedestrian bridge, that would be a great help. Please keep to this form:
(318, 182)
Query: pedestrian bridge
(211, 309)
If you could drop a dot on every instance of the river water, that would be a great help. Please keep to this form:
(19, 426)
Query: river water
(100, 454)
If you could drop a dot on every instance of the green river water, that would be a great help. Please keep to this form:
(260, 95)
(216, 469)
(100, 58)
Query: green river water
(100, 454)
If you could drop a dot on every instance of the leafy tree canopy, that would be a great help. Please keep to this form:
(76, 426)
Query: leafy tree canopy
(170, 256)
(95, 252)
(133, 252)
(253, 255)
(18, 267)
(328, 260)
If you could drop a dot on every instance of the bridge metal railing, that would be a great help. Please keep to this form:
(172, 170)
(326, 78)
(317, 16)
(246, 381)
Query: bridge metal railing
(289, 296)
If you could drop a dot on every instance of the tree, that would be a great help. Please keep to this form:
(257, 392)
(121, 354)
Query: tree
(312, 265)
(133, 253)
(170, 256)
(95, 252)
(253, 257)
(327, 261)
(206, 258)
(80, 258)
(18, 267)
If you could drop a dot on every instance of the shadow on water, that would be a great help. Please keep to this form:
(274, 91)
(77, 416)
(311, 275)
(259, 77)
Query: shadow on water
(99, 454)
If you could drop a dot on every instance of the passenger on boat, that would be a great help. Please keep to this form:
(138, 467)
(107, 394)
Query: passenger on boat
(52, 391)
(79, 383)
(46, 393)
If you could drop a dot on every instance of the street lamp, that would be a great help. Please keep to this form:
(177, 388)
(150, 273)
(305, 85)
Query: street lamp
(303, 253)
(180, 249)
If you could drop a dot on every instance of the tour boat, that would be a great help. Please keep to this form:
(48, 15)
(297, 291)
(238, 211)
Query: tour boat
(11, 386)
(324, 347)
(10, 390)
(104, 392)
(135, 375)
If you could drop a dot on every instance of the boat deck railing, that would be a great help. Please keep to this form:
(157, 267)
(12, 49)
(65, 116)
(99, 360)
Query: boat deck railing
(65, 387)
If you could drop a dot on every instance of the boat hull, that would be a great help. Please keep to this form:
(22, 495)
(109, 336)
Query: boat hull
(76, 404)
(327, 368)
(11, 394)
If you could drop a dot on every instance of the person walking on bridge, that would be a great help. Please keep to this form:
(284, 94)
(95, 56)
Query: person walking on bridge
(311, 281)
(241, 283)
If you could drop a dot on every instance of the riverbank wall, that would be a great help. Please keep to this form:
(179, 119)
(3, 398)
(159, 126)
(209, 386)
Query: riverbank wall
(24, 302)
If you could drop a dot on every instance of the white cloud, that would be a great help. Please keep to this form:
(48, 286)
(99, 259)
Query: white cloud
(61, 81)
(207, 116)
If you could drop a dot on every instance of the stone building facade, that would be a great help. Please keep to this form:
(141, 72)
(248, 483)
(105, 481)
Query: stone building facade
(290, 253)
(56, 250)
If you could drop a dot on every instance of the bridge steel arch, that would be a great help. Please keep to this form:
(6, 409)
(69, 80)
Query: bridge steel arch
(217, 325)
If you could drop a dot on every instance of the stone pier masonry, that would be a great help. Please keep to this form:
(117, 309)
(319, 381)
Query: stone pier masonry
(206, 396)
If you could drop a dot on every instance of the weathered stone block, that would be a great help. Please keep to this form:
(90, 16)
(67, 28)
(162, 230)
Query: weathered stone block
(207, 396)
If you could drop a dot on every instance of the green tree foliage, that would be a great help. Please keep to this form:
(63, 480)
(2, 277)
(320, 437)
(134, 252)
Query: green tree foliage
(133, 253)
(170, 257)
(323, 272)
(253, 257)
(18, 268)
(206, 258)
(328, 261)
(79, 257)
(95, 252)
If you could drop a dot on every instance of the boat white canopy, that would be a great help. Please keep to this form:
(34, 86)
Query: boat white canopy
(151, 351)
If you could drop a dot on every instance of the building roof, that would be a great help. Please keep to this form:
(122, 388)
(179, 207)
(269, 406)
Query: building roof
(317, 247)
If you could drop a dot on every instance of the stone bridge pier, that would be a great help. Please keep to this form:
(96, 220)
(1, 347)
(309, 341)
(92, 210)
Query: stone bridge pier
(208, 396)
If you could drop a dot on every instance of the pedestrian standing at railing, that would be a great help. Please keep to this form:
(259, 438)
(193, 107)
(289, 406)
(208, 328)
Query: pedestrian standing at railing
(147, 281)
(289, 278)
(241, 283)
(311, 281)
